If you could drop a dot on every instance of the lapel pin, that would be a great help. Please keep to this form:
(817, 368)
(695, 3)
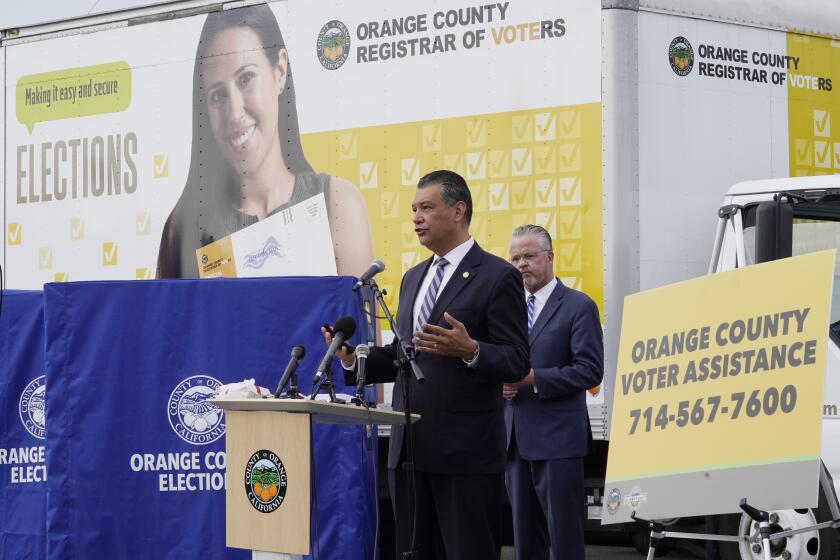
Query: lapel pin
(466, 275)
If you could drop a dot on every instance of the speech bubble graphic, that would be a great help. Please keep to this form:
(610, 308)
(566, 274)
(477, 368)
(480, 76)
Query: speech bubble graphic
(73, 92)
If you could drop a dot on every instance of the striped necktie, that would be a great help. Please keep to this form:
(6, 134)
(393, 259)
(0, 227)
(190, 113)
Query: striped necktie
(431, 293)
(531, 300)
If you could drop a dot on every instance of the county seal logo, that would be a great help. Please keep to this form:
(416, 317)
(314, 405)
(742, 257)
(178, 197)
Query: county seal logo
(333, 44)
(613, 501)
(195, 420)
(32, 406)
(681, 56)
(265, 481)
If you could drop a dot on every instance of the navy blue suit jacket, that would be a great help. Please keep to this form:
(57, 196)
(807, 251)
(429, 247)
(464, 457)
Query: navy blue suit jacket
(462, 428)
(567, 354)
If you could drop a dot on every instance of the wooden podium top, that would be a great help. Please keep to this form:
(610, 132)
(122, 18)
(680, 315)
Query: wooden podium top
(322, 412)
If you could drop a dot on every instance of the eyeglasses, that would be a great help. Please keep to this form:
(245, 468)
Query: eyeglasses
(527, 257)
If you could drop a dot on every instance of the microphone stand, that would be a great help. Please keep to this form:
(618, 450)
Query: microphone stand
(407, 366)
(327, 383)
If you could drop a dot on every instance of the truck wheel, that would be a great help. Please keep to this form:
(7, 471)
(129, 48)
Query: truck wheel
(813, 545)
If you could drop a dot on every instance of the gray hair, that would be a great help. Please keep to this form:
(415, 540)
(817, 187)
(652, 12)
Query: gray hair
(540, 232)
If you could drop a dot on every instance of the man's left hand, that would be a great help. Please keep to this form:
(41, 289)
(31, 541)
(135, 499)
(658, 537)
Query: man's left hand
(454, 342)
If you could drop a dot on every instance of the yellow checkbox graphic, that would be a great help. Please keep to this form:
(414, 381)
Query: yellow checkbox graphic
(498, 164)
(499, 196)
(109, 254)
(574, 282)
(347, 146)
(822, 123)
(389, 205)
(478, 227)
(368, 175)
(431, 137)
(160, 163)
(409, 259)
(476, 133)
(569, 157)
(569, 191)
(546, 190)
(77, 229)
(143, 223)
(522, 129)
(545, 127)
(454, 162)
(409, 237)
(837, 155)
(545, 160)
(476, 166)
(522, 195)
(142, 273)
(521, 218)
(568, 254)
(569, 121)
(803, 152)
(548, 220)
(568, 224)
(45, 258)
(822, 154)
(14, 233)
(60, 277)
(520, 159)
(481, 197)
(410, 171)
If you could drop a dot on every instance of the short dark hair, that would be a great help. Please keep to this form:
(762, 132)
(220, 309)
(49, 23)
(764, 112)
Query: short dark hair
(453, 188)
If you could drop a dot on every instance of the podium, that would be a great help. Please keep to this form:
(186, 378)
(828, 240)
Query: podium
(269, 467)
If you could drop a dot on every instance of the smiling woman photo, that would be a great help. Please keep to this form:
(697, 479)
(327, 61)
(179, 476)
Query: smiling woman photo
(247, 162)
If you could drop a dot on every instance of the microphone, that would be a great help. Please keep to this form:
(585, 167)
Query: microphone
(376, 267)
(344, 329)
(298, 352)
(362, 352)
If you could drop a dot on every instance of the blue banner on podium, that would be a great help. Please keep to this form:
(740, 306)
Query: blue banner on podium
(137, 457)
(23, 480)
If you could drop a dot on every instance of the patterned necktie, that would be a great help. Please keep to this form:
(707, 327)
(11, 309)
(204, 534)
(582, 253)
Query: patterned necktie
(531, 300)
(431, 293)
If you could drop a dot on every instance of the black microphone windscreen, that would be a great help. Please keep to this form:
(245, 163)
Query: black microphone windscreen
(347, 325)
(298, 352)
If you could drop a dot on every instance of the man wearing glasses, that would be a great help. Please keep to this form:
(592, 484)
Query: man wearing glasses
(547, 423)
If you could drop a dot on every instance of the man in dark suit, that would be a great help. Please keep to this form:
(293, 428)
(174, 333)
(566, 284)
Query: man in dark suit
(464, 312)
(545, 413)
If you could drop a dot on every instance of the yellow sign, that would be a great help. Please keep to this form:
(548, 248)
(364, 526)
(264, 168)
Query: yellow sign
(718, 376)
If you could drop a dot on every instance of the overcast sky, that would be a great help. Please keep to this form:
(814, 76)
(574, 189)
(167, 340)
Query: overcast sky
(19, 13)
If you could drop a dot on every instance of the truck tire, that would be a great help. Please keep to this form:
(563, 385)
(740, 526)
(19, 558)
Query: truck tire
(821, 545)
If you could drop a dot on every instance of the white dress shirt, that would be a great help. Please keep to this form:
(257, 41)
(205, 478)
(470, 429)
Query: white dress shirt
(541, 297)
(454, 257)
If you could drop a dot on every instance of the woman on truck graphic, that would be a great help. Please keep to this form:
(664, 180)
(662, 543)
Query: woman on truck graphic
(247, 161)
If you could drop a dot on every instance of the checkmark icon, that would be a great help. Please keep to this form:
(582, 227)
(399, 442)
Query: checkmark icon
(548, 220)
(499, 196)
(521, 158)
(109, 254)
(523, 197)
(481, 196)
(142, 273)
(569, 252)
(409, 238)
(409, 259)
(431, 137)
(837, 155)
(574, 282)
(476, 133)
(142, 223)
(545, 126)
(388, 207)
(14, 233)
(410, 171)
(545, 160)
(546, 193)
(479, 229)
(802, 150)
(161, 166)
(368, 175)
(44, 258)
(569, 221)
(569, 191)
(822, 154)
(522, 130)
(569, 157)
(77, 229)
(347, 146)
(569, 123)
(822, 123)
(476, 165)
(454, 162)
(60, 277)
(497, 164)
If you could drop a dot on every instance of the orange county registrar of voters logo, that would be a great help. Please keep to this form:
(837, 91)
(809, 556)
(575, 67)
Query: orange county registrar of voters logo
(333, 45)
(681, 56)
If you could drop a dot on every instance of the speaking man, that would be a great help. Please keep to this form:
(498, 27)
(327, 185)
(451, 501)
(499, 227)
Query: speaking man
(464, 312)
(545, 413)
